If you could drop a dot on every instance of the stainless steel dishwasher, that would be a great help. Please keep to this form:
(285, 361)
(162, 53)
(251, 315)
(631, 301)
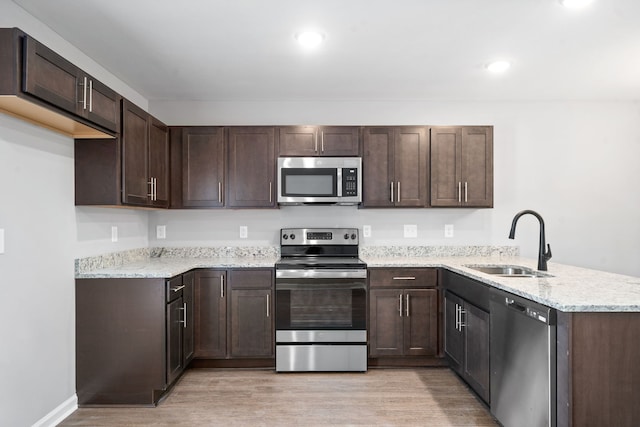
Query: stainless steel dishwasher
(523, 361)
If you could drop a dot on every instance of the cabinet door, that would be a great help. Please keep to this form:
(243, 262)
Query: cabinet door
(252, 167)
(453, 336)
(377, 167)
(159, 162)
(420, 322)
(203, 167)
(411, 157)
(50, 77)
(339, 141)
(298, 141)
(250, 324)
(174, 339)
(476, 360)
(103, 105)
(210, 314)
(188, 280)
(385, 322)
(135, 167)
(446, 176)
(477, 166)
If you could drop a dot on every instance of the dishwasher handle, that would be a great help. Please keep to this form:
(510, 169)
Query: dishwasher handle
(512, 304)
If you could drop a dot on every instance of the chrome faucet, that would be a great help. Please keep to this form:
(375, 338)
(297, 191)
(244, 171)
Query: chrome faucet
(543, 256)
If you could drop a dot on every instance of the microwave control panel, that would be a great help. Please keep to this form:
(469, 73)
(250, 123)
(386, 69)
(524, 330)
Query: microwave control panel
(349, 181)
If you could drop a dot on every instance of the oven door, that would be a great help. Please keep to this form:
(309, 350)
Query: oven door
(311, 300)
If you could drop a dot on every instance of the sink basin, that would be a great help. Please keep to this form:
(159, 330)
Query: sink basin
(508, 271)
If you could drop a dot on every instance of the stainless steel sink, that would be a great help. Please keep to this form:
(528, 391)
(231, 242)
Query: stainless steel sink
(508, 271)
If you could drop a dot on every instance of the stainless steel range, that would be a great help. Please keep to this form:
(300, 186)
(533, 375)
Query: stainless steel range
(321, 301)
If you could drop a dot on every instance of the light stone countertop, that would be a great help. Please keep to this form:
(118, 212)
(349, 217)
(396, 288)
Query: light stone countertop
(570, 289)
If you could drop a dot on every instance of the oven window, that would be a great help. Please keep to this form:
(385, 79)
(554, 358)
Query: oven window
(309, 182)
(318, 308)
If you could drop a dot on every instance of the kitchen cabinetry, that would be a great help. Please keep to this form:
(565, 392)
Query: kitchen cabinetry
(197, 167)
(234, 314)
(38, 85)
(466, 331)
(310, 141)
(403, 312)
(462, 166)
(394, 163)
(145, 158)
(132, 338)
(251, 175)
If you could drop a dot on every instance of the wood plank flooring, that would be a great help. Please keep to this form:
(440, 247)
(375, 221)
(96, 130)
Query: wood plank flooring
(234, 397)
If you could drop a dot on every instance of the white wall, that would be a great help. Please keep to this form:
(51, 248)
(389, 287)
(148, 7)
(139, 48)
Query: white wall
(44, 233)
(573, 162)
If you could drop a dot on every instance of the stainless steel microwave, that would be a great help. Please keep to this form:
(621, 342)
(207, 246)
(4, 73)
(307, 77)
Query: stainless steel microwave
(319, 180)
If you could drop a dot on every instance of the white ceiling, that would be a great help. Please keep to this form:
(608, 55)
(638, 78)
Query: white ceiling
(374, 49)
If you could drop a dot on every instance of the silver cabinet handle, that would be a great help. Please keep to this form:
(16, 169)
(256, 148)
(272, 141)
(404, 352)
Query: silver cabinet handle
(268, 307)
(466, 199)
(84, 93)
(150, 184)
(398, 196)
(458, 317)
(155, 188)
(178, 288)
(219, 192)
(316, 142)
(184, 313)
(90, 96)
(322, 140)
(221, 286)
(404, 278)
(391, 185)
(407, 305)
(400, 303)
(459, 192)
(270, 191)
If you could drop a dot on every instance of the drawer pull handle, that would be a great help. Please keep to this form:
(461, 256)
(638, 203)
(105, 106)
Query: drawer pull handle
(404, 278)
(178, 288)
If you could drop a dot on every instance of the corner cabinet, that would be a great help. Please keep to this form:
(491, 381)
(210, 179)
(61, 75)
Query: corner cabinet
(394, 163)
(234, 314)
(133, 338)
(313, 141)
(462, 166)
(466, 330)
(403, 312)
(145, 158)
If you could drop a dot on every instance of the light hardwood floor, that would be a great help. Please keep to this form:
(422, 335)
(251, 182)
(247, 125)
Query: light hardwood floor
(380, 397)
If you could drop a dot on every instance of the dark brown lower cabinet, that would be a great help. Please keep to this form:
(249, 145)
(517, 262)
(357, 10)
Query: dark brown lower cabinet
(466, 342)
(234, 314)
(403, 312)
(130, 339)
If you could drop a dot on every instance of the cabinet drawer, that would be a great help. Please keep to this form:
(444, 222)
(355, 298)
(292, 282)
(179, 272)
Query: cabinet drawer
(403, 277)
(174, 288)
(255, 278)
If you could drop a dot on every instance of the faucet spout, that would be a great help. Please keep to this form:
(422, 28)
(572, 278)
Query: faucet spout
(544, 250)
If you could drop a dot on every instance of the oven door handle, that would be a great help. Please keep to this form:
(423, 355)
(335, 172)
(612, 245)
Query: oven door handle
(296, 286)
(321, 274)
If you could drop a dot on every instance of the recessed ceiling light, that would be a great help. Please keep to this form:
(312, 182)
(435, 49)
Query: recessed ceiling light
(575, 4)
(498, 66)
(309, 38)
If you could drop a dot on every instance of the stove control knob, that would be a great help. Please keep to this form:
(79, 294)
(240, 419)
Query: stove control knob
(292, 236)
(353, 236)
(285, 236)
(346, 237)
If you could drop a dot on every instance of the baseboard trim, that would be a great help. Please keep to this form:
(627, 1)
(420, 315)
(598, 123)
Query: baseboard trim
(56, 416)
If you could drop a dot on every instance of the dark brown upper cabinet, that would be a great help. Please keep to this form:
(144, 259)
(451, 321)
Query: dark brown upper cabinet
(251, 177)
(145, 158)
(462, 166)
(394, 165)
(197, 167)
(41, 86)
(310, 141)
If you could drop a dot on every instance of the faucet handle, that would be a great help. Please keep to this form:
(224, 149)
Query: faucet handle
(547, 254)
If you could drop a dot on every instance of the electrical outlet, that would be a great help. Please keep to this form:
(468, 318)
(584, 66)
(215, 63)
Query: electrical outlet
(1, 240)
(448, 231)
(161, 231)
(366, 231)
(114, 233)
(410, 231)
(244, 231)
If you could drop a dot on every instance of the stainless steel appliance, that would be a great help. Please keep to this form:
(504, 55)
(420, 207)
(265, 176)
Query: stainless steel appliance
(523, 361)
(319, 180)
(321, 301)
